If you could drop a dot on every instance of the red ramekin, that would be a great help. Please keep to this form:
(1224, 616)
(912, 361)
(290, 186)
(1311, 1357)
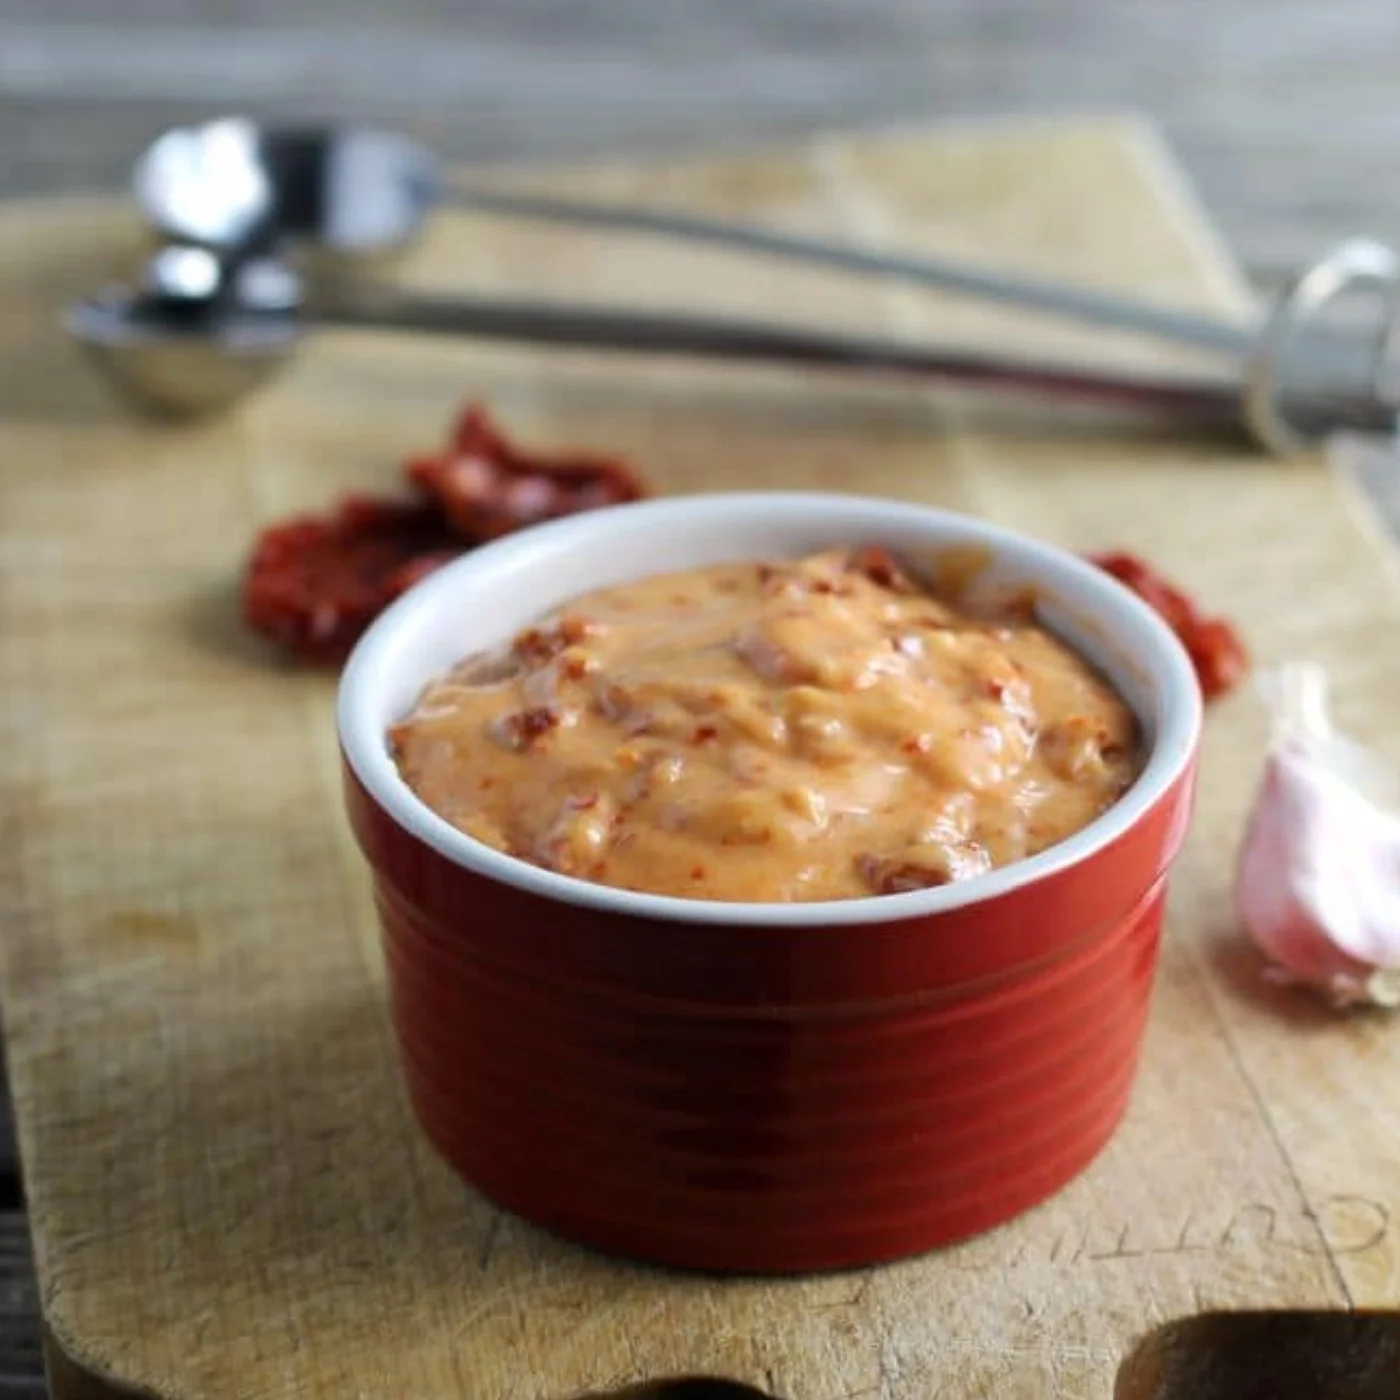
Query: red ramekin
(766, 1087)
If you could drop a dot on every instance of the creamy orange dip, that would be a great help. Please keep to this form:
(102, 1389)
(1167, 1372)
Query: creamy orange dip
(812, 729)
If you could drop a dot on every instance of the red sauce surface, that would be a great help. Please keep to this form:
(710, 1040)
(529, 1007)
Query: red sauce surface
(820, 728)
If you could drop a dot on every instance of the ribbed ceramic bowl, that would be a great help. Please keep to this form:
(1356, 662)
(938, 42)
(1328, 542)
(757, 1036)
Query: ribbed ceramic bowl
(765, 1087)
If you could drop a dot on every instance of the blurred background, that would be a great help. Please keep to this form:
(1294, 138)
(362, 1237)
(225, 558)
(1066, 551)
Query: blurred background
(1285, 116)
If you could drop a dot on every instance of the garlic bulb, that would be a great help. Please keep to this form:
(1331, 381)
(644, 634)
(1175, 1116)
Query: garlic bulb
(1318, 881)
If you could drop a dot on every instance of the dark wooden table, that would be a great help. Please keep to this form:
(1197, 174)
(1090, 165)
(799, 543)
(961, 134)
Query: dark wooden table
(1286, 116)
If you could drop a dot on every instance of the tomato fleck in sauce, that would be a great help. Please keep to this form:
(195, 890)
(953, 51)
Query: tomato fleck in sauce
(812, 729)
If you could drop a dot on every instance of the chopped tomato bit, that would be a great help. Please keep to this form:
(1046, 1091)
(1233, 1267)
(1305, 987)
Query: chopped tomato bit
(487, 486)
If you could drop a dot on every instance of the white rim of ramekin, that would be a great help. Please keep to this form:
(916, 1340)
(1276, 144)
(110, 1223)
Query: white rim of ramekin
(1142, 633)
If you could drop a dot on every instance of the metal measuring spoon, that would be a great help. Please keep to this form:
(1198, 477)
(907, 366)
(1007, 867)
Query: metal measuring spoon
(350, 192)
(200, 330)
(197, 333)
(357, 193)
(353, 191)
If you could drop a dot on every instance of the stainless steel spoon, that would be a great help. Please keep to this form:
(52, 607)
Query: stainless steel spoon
(201, 330)
(357, 192)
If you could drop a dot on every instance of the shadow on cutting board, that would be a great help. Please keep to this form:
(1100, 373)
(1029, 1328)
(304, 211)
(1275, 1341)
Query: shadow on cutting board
(212, 619)
(1244, 970)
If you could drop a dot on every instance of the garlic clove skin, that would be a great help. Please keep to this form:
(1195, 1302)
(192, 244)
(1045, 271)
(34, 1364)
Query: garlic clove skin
(1318, 878)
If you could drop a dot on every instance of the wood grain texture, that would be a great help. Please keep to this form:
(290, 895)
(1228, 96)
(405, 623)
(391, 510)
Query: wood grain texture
(228, 1196)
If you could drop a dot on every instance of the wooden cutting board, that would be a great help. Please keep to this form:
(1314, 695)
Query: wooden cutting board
(228, 1195)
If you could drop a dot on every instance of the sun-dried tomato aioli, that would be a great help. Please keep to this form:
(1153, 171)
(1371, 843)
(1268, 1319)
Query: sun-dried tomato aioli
(794, 730)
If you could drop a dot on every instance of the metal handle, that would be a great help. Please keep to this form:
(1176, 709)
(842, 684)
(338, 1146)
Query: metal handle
(1097, 308)
(1354, 263)
(1263, 351)
(616, 329)
(364, 190)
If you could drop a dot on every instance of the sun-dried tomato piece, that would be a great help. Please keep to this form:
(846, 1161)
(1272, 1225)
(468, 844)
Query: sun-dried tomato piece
(881, 568)
(1218, 655)
(1215, 648)
(1175, 608)
(520, 728)
(314, 583)
(488, 486)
